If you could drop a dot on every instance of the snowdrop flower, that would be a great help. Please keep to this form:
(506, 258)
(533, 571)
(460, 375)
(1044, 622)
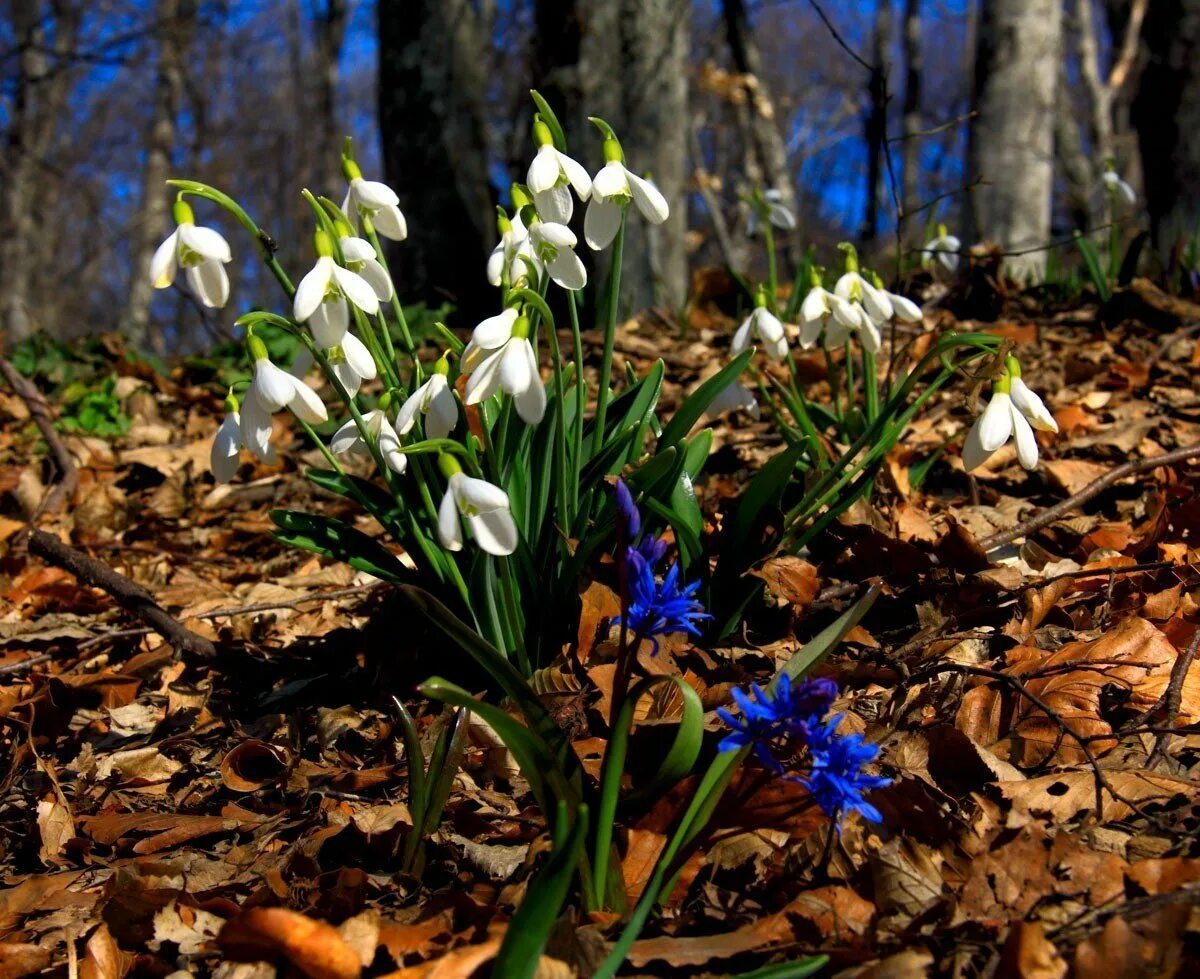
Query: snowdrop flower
(326, 282)
(550, 174)
(505, 257)
(553, 244)
(435, 400)
(351, 363)
(361, 259)
(776, 212)
(825, 312)
(854, 287)
(943, 248)
(613, 187)
(735, 397)
(484, 506)
(763, 326)
(904, 309)
(1013, 412)
(349, 439)
(1115, 187)
(203, 254)
(227, 443)
(373, 200)
(273, 388)
(501, 358)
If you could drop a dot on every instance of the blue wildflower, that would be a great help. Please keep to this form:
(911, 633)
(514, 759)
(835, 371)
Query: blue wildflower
(659, 608)
(775, 720)
(837, 780)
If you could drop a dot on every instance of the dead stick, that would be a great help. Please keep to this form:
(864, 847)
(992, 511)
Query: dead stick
(128, 594)
(1173, 696)
(39, 411)
(1097, 486)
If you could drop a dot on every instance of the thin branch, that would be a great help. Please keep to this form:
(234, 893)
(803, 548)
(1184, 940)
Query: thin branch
(39, 411)
(1044, 518)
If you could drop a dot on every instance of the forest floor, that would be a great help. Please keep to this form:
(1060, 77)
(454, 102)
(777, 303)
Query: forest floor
(239, 809)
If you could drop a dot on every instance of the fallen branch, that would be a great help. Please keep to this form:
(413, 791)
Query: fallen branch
(1045, 517)
(128, 594)
(39, 411)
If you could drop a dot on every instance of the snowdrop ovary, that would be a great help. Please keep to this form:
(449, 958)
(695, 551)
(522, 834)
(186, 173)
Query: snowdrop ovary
(201, 252)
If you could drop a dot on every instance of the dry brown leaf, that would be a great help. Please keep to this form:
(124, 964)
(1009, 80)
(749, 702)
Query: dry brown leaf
(254, 764)
(313, 947)
(1067, 796)
(102, 958)
(1029, 954)
(18, 961)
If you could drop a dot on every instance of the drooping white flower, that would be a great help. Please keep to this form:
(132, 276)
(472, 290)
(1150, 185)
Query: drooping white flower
(551, 177)
(485, 507)
(778, 214)
(734, 397)
(349, 439)
(435, 401)
(944, 248)
(904, 309)
(504, 259)
(227, 443)
(273, 389)
(327, 280)
(854, 287)
(1117, 187)
(816, 313)
(613, 187)
(361, 259)
(352, 363)
(765, 327)
(554, 245)
(256, 426)
(1013, 412)
(503, 360)
(201, 252)
(374, 200)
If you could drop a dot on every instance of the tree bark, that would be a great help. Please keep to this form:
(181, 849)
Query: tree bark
(1166, 114)
(41, 86)
(175, 21)
(876, 120)
(431, 118)
(762, 136)
(910, 157)
(1018, 48)
(329, 28)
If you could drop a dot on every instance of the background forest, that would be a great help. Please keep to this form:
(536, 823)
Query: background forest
(875, 121)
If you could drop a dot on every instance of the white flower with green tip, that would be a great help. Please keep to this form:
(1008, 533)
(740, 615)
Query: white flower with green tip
(201, 252)
(485, 508)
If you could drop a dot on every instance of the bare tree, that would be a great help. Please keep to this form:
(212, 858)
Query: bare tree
(329, 27)
(432, 81)
(1019, 44)
(876, 119)
(176, 19)
(910, 162)
(45, 36)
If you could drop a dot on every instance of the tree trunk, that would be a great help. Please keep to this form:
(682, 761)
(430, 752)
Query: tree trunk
(36, 104)
(910, 163)
(876, 121)
(1018, 48)
(175, 21)
(329, 25)
(431, 119)
(761, 132)
(1166, 114)
(633, 70)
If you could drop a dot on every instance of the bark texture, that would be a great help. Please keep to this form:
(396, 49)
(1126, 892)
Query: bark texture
(1166, 114)
(1018, 47)
(432, 78)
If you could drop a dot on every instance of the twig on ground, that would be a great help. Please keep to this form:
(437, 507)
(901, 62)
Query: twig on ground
(1173, 696)
(39, 411)
(128, 594)
(1044, 518)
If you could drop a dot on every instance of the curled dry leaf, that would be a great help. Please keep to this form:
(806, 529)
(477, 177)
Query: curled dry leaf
(253, 765)
(313, 947)
(18, 960)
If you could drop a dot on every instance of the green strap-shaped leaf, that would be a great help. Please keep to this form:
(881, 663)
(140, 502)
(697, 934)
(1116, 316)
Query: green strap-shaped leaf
(698, 401)
(333, 538)
(530, 927)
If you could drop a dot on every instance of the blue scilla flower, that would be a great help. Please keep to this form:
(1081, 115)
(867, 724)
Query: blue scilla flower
(837, 780)
(787, 711)
(627, 512)
(659, 608)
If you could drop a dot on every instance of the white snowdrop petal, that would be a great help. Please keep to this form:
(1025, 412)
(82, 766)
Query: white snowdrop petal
(495, 330)
(995, 424)
(207, 242)
(767, 325)
(601, 222)
(555, 204)
(581, 183)
(974, 454)
(814, 306)
(373, 194)
(544, 170)
(648, 199)
(312, 288)
(344, 438)
(273, 387)
(390, 222)
(905, 309)
(611, 180)
(741, 338)
(442, 415)
(558, 235)
(307, 404)
(355, 288)
(485, 379)
(358, 356)
(1027, 448)
(449, 528)
(163, 264)
(1032, 406)
(495, 532)
(480, 494)
(329, 322)
(566, 268)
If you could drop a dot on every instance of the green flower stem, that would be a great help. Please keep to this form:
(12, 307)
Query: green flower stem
(834, 378)
(398, 309)
(580, 400)
(803, 418)
(512, 603)
(610, 335)
(850, 380)
(772, 266)
(386, 367)
(789, 430)
(870, 385)
(562, 460)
